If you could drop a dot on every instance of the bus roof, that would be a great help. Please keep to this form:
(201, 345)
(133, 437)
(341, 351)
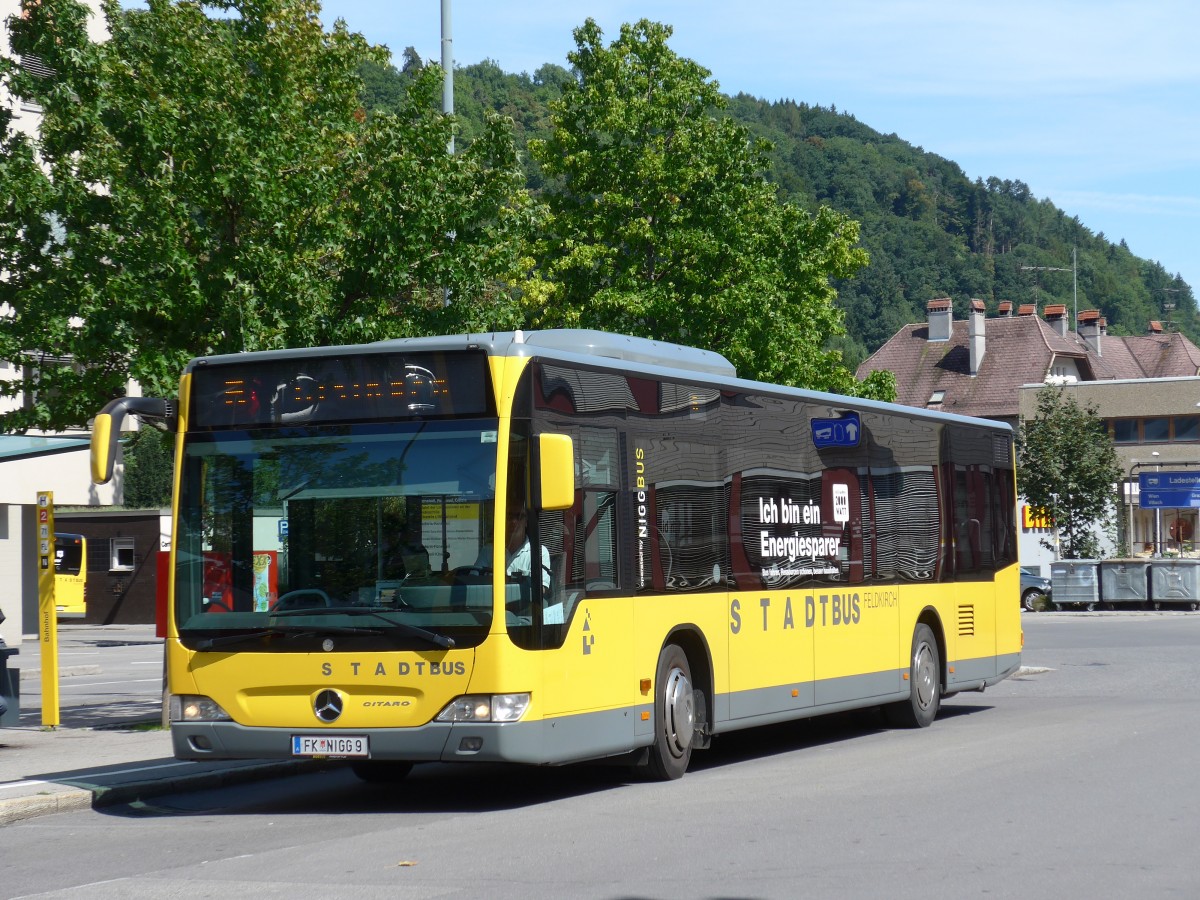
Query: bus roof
(588, 346)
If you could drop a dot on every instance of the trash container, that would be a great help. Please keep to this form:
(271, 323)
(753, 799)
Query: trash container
(1125, 581)
(1075, 582)
(1175, 582)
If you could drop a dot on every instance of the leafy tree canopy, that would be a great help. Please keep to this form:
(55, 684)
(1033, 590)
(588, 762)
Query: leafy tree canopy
(1067, 465)
(148, 467)
(207, 181)
(930, 230)
(662, 223)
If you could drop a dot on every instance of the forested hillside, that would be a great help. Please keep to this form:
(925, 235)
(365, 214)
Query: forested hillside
(930, 231)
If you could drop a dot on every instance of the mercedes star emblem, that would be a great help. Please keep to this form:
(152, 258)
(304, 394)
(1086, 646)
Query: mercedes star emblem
(328, 706)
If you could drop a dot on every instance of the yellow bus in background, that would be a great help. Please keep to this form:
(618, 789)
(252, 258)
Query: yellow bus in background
(70, 575)
(559, 546)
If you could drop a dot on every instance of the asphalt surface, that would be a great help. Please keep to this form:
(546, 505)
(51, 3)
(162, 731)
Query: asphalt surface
(105, 751)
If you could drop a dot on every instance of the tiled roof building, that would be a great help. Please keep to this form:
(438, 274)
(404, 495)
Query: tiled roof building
(976, 366)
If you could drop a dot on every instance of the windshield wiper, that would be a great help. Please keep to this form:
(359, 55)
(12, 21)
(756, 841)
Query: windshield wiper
(432, 637)
(438, 640)
(225, 640)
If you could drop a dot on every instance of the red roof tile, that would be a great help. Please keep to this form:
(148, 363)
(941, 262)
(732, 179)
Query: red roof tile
(1018, 351)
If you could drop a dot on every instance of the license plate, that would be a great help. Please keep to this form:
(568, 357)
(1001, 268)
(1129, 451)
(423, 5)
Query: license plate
(330, 745)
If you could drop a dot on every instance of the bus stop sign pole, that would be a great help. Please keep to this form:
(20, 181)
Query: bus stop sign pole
(47, 610)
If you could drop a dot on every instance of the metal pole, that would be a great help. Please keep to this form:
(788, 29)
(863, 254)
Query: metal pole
(1128, 498)
(1157, 517)
(1075, 285)
(447, 95)
(447, 67)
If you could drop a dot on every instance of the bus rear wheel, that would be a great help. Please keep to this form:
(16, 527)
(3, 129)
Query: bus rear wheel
(379, 771)
(674, 716)
(925, 684)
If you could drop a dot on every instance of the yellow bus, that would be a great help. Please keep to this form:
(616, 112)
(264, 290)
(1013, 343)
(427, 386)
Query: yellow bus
(559, 546)
(70, 575)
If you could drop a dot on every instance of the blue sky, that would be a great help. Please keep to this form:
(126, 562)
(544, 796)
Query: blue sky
(1095, 105)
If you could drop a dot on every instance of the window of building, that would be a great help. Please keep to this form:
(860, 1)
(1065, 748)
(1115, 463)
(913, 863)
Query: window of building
(1158, 429)
(1125, 431)
(936, 398)
(1187, 428)
(121, 558)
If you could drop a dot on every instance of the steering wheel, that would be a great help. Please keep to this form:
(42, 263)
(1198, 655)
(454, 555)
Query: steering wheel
(471, 575)
(295, 600)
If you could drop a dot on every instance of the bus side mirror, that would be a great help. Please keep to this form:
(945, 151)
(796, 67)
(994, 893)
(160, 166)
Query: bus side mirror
(556, 471)
(106, 430)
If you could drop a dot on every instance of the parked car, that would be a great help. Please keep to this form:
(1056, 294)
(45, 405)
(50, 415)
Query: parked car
(1033, 588)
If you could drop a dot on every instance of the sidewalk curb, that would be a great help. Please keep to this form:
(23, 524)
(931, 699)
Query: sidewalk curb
(64, 797)
(117, 794)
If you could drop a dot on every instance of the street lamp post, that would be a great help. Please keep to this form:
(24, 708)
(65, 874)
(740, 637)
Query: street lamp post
(1157, 514)
(1130, 530)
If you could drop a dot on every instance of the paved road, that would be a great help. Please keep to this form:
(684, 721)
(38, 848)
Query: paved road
(1075, 779)
(108, 675)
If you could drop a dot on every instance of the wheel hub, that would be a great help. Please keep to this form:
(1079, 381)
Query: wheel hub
(681, 711)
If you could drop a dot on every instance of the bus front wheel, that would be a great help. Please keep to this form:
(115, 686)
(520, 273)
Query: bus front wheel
(674, 716)
(925, 684)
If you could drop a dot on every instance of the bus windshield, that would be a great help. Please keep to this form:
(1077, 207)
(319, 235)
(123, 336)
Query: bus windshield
(68, 554)
(372, 536)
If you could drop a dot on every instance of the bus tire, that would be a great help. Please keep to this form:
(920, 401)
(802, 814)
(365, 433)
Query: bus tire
(925, 684)
(381, 771)
(674, 716)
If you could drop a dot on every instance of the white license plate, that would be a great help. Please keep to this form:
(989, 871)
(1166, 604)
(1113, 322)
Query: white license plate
(330, 745)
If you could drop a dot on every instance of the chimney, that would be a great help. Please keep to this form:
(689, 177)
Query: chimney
(1093, 327)
(1005, 309)
(1027, 309)
(975, 329)
(941, 318)
(1155, 327)
(1056, 316)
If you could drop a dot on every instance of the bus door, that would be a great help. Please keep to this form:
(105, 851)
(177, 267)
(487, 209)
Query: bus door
(857, 626)
(588, 629)
(974, 631)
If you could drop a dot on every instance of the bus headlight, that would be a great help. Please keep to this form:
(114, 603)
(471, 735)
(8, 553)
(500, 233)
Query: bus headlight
(195, 708)
(485, 708)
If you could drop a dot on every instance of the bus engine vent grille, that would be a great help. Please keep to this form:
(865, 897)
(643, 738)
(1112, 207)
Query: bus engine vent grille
(1001, 452)
(966, 620)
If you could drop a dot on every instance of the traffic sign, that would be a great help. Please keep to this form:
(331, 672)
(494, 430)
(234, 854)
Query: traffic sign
(1169, 490)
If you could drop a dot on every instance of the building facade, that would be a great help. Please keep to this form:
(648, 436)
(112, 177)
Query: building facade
(1145, 388)
(34, 463)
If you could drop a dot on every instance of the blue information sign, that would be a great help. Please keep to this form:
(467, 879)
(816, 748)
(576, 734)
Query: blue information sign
(1168, 490)
(843, 432)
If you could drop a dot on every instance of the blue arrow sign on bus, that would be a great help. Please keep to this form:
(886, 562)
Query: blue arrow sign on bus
(843, 432)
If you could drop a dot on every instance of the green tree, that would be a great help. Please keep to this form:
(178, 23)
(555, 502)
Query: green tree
(662, 223)
(207, 181)
(1067, 464)
(148, 468)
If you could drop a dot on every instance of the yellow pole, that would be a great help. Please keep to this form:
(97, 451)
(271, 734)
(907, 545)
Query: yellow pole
(47, 610)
